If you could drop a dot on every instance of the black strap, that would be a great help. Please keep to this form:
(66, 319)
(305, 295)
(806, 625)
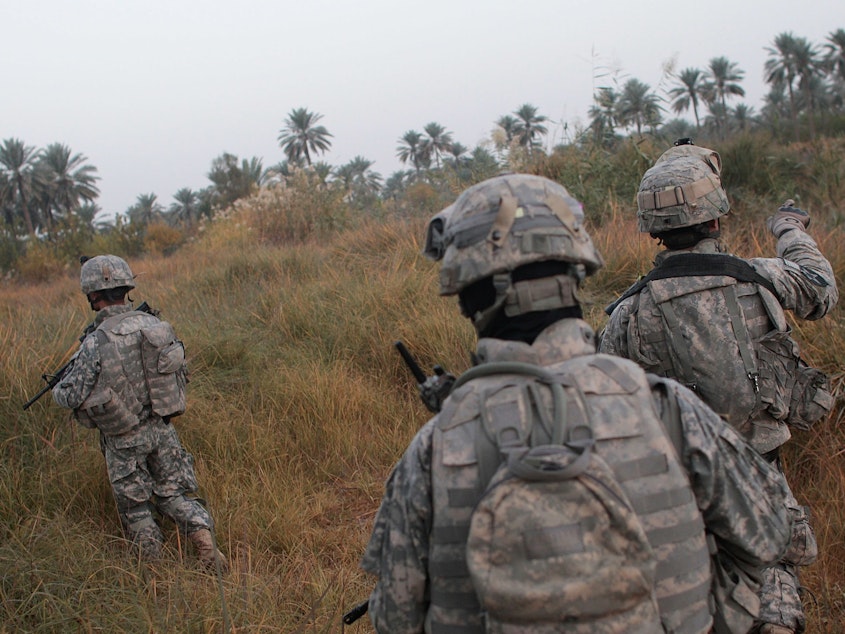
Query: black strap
(696, 264)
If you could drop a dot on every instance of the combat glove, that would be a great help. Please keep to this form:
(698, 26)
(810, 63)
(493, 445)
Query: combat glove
(787, 218)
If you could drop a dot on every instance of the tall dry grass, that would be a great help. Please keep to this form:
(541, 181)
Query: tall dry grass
(298, 408)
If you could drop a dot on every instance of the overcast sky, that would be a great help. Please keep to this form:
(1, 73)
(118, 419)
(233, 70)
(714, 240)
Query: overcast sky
(150, 92)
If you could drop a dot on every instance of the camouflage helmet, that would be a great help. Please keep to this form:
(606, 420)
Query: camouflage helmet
(504, 223)
(683, 188)
(103, 272)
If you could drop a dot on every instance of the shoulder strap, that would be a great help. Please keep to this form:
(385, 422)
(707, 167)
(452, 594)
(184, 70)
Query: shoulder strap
(669, 414)
(694, 264)
(488, 450)
(114, 320)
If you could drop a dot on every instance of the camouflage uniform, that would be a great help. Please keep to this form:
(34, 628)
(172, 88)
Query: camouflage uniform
(800, 279)
(147, 466)
(514, 250)
(723, 476)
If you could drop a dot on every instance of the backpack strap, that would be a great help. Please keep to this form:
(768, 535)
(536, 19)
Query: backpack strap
(669, 414)
(743, 340)
(498, 434)
(693, 265)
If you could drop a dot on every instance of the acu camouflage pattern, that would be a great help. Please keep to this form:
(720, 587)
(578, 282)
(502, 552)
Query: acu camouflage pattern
(418, 544)
(506, 222)
(554, 540)
(712, 359)
(103, 272)
(145, 461)
(805, 285)
(682, 189)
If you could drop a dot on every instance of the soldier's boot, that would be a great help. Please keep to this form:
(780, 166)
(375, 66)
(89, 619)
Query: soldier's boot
(207, 552)
(771, 628)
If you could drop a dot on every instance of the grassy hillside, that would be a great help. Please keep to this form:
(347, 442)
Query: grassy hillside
(298, 407)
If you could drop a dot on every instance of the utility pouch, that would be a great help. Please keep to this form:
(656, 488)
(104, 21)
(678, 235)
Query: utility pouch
(112, 406)
(107, 411)
(803, 549)
(165, 369)
(734, 594)
(811, 399)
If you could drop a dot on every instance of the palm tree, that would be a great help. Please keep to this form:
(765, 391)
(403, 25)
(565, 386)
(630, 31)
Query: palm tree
(67, 179)
(185, 207)
(301, 136)
(692, 88)
(782, 70)
(508, 125)
(638, 106)
(810, 68)
(743, 117)
(602, 115)
(410, 148)
(834, 58)
(145, 210)
(17, 163)
(438, 141)
(361, 184)
(722, 81)
(529, 126)
(724, 76)
(233, 180)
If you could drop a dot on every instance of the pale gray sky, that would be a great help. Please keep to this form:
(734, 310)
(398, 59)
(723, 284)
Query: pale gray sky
(152, 91)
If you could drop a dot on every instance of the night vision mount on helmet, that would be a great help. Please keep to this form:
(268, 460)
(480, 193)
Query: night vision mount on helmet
(505, 223)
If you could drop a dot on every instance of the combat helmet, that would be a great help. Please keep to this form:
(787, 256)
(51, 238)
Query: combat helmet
(103, 272)
(683, 188)
(505, 223)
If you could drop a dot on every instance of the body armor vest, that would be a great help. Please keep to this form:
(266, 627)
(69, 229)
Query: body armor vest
(120, 399)
(721, 339)
(629, 436)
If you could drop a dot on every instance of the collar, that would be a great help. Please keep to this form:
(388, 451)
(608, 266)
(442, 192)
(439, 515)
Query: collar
(562, 340)
(111, 311)
(708, 245)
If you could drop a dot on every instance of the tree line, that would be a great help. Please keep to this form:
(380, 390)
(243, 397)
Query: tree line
(47, 194)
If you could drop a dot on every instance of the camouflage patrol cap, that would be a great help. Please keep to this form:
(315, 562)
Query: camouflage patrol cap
(683, 188)
(103, 272)
(506, 222)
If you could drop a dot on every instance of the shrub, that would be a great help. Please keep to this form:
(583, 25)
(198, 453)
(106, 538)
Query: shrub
(162, 239)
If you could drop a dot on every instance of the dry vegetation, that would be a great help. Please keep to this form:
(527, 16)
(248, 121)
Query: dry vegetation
(298, 407)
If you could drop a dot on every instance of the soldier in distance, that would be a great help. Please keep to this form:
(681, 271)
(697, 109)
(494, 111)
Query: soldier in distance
(128, 380)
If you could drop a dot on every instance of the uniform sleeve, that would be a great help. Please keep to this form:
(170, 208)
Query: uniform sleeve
(80, 378)
(802, 276)
(397, 552)
(742, 498)
(614, 338)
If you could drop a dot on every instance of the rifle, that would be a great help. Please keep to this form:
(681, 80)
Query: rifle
(356, 613)
(53, 379)
(433, 389)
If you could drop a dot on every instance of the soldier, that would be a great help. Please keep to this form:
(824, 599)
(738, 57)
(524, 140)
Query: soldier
(514, 250)
(127, 380)
(716, 323)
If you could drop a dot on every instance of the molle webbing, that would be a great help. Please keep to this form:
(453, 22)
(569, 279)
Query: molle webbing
(695, 265)
(650, 479)
(678, 195)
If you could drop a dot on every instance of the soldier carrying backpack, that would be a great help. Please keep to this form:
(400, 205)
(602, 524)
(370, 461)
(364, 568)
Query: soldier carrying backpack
(559, 490)
(716, 323)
